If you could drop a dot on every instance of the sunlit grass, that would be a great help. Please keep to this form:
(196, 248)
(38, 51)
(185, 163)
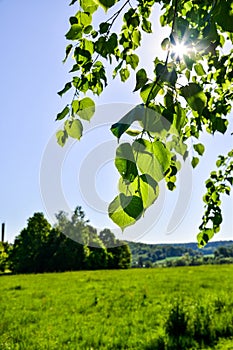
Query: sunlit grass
(107, 309)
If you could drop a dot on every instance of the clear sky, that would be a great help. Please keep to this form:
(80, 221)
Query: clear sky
(31, 70)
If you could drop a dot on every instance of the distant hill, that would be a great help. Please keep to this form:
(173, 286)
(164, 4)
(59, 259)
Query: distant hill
(142, 252)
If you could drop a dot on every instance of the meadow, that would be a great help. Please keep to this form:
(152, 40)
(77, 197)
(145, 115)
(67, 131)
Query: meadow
(161, 308)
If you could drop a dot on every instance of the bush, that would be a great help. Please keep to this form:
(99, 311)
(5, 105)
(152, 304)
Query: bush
(195, 327)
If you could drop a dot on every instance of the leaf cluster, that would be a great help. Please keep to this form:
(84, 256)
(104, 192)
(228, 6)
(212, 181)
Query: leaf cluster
(186, 95)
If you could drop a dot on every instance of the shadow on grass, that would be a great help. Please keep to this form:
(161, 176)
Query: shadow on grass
(157, 344)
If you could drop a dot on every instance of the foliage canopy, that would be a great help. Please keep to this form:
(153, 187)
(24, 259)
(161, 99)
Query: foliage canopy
(71, 245)
(188, 93)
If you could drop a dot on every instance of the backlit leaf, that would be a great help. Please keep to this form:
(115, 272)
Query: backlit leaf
(125, 210)
(199, 69)
(74, 33)
(165, 44)
(133, 132)
(106, 4)
(132, 60)
(149, 92)
(61, 136)
(86, 108)
(199, 148)
(74, 128)
(146, 25)
(125, 162)
(194, 162)
(89, 5)
(141, 79)
(143, 186)
(124, 123)
(204, 237)
(194, 96)
(124, 73)
(152, 158)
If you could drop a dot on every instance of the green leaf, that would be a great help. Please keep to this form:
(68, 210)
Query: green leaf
(194, 96)
(188, 62)
(124, 73)
(153, 122)
(74, 33)
(63, 113)
(136, 38)
(106, 4)
(74, 128)
(132, 19)
(143, 186)
(199, 148)
(75, 106)
(88, 29)
(84, 18)
(118, 67)
(220, 161)
(104, 26)
(125, 210)
(165, 44)
(73, 20)
(215, 197)
(146, 25)
(124, 123)
(220, 124)
(152, 158)
(101, 46)
(141, 79)
(112, 43)
(133, 132)
(171, 185)
(217, 219)
(194, 162)
(178, 145)
(204, 236)
(61, 136)
(68, 50)
(199, 69)
(82, 56)
(230, 180)
(88, 5)
(179, 117)
(163, 74)
(132, 60)
(67, 87)
(86, 108)
(149, 92)
(224, 17)
(125, 162)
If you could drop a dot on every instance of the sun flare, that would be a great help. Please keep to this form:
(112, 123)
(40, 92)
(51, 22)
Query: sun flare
(179, 50)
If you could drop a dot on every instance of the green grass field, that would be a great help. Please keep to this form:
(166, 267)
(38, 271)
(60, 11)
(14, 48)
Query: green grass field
(120, 309)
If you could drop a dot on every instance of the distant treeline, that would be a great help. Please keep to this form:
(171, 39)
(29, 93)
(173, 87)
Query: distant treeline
(72, 244)
(152, 255)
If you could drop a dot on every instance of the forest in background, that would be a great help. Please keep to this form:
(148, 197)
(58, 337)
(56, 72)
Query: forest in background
(180, 254)
(73, 244)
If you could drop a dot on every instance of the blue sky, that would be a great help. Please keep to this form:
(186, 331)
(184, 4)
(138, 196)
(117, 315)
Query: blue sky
(31, 70)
